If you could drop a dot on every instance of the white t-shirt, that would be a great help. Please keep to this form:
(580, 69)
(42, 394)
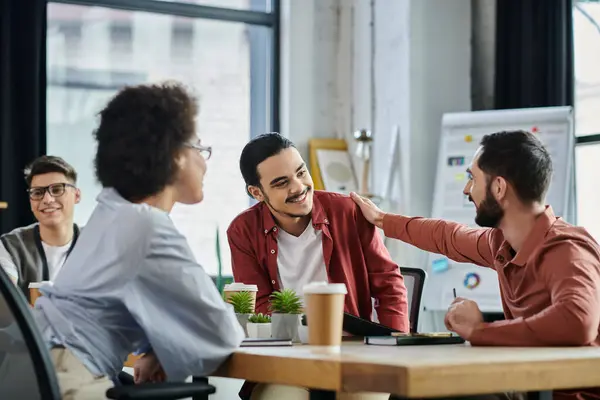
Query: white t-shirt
(300, 259)
(55, 257)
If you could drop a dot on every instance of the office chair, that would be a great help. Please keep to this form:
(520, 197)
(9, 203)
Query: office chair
(27, 372)
(414, 280)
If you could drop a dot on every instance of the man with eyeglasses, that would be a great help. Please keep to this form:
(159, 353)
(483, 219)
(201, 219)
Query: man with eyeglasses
(38, 251)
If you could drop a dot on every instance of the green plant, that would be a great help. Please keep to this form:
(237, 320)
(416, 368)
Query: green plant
(285, 302)
(241, 302)
(260, 318)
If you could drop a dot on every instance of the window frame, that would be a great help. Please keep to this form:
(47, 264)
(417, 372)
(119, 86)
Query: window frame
(587, 139)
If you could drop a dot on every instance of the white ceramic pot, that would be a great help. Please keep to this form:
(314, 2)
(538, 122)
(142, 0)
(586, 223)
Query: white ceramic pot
(243, 320)
(285, 326)
(303, 334)
(259, 331)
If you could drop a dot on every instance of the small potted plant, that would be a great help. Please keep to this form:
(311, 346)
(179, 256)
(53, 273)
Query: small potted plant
(242, 305)
(286, 307)
(259, 326)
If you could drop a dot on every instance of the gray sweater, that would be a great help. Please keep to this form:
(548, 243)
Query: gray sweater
(25, 248)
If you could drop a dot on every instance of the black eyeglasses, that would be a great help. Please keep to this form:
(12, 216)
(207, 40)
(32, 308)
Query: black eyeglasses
(206, 151)
(55, 190)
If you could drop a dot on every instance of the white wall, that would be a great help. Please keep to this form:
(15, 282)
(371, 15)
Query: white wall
(352, 64)
(440, 83)
(440, 78)
(315, 100)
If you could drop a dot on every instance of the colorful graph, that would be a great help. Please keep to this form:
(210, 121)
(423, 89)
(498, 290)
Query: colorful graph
(472, 280)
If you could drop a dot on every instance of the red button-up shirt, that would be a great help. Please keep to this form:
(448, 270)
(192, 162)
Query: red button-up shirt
(353, 250)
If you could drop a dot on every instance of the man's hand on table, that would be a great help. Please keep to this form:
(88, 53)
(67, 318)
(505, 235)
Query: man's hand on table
(463, 317)
(148, 369)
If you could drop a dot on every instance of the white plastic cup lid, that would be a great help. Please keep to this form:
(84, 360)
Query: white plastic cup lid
(325, 288)
(37, 285)
(240, 287)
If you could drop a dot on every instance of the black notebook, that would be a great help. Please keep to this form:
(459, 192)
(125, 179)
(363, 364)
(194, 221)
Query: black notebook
(361, 327)
(266, 342)
(415, 339)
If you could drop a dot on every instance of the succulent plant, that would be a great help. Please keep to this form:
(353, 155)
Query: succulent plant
(259, 318)
(241, 302)
(285, 301)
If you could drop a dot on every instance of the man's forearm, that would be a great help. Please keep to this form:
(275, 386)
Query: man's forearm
(554, 326)
(453, 240)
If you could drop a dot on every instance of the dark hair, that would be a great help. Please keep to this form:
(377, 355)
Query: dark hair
(258, 150)
(48, 164)
(521, 159)
(141, 131)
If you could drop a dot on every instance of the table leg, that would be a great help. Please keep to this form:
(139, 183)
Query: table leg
(322, 395)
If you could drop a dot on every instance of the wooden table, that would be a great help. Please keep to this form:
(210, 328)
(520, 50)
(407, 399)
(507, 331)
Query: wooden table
(418, 371)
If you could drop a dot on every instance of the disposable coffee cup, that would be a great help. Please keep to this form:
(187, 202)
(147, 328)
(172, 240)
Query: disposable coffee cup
(235, 287)
(34, 291)
(324, 304)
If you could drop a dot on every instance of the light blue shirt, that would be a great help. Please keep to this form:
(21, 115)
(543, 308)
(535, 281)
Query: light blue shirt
(132, 281)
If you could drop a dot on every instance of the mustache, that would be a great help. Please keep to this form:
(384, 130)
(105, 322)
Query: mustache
(294, 197)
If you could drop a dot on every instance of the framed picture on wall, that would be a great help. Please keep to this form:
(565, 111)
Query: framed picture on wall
(331, 166)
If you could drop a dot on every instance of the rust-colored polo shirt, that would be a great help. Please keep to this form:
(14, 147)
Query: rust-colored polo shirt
(550, 288)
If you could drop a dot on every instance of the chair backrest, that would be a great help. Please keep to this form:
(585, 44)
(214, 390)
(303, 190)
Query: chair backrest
(414, 280)
(26, 370)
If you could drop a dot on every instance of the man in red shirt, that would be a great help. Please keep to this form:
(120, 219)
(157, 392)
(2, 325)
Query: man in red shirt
(548, 270)
(296, 235)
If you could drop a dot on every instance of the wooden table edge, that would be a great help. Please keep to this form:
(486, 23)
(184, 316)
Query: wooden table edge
(301, 372)
(462, 380)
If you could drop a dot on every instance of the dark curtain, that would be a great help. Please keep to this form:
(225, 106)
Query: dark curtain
(22, 102)
(534, 53)
(534, 58)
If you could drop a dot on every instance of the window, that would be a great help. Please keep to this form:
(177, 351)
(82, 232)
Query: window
(586, 25)
(588, 190)
(586, 33)
(227, 62)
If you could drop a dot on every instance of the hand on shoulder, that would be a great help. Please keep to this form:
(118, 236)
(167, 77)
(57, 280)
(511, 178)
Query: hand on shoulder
(371, 212)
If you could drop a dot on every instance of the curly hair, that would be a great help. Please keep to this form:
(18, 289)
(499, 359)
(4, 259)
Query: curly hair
(141, 131)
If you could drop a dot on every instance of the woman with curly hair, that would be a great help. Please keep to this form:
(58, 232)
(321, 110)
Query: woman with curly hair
(132, 283)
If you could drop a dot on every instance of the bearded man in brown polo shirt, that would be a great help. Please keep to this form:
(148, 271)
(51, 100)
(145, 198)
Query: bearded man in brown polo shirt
(548, 270)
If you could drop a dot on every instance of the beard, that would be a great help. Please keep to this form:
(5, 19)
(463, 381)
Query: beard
(306, 191)
(489, 212)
